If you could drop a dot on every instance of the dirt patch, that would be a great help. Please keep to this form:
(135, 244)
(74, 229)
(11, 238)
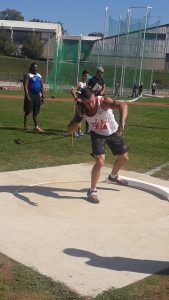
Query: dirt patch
(70, 100)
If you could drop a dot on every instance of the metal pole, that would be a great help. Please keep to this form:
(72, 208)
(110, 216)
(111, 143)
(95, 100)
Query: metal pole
(126, 49)
(57, 56)
(11, 28)
(47, 62)
(105, 28)
(98, 55)
(117, 43)
(144, 36)
(78, 57)
(154, 50)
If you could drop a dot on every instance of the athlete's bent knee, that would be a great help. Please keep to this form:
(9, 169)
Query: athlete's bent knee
(100, 161)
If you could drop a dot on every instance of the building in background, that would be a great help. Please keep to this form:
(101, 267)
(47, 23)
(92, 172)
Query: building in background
(19, 31)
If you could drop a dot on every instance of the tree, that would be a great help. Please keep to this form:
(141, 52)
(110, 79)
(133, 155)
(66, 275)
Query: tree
(38, 20)
(99, 34)
(11, 14)
(32, 47)
(7, 47)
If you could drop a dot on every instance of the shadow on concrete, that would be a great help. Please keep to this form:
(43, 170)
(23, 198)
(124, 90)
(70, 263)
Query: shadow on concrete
(118, 263)
(52, 192)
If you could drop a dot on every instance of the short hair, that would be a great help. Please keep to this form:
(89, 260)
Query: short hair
(85, 72)
(86, 93)
(32, 66)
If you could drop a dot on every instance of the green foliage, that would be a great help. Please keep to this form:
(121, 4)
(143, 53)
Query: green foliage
(7, 47)
(32, 47)
(99, 34)
(11, 14)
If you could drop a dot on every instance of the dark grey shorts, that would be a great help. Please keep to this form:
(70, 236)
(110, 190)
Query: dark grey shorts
(114, 142)
(33, 105)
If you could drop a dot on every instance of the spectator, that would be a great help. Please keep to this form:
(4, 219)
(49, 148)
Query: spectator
(135, 90)
(33, 88)
(154, 87)
(140, 89)
(96, 83)
(116, 92)
(76, 92)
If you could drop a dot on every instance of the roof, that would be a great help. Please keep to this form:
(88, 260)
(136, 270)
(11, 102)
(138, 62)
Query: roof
(26, 25)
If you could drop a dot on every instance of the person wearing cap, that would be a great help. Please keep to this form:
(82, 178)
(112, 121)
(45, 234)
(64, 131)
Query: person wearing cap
(96, 83)
(104, 129)
(76, 93)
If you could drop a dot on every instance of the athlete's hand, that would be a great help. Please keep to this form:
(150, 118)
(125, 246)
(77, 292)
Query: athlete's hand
(28, 99)
(42, 100)
(120, 129)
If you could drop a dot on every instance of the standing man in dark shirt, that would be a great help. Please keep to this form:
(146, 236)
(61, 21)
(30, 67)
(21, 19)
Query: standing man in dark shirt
(140, 89)
(96, 83)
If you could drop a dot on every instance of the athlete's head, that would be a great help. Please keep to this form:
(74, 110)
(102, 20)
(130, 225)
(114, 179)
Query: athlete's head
(88, 98)
(99, 71)
(33, 68)
(85, 74)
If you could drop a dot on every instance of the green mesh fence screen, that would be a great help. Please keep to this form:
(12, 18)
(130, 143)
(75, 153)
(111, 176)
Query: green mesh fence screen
(70, 58)
(128, 57)
(120, 26)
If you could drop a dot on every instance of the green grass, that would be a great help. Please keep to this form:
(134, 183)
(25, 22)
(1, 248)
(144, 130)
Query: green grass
(146, 134)
(18, 282)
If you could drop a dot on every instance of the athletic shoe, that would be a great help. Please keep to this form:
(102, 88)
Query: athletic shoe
(76, 135)
(81, 134)
(92, 197)
(25, 130)
(38, 129)
(117, 180)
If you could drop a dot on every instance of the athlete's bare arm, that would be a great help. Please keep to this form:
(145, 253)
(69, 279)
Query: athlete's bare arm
(122, 107)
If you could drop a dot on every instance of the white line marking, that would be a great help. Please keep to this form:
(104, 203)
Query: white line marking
(151, 172)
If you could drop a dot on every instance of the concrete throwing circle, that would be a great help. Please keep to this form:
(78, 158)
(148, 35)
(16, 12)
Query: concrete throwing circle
(67, 200)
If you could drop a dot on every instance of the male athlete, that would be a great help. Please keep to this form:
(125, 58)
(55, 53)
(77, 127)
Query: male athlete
(97, 111)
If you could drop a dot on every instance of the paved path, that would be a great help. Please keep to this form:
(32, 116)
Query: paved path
(46, 223)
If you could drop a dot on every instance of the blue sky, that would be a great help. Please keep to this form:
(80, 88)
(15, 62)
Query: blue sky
(82, 17)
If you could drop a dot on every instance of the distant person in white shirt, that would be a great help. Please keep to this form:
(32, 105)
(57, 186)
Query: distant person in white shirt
(154, 87)
(76, 91)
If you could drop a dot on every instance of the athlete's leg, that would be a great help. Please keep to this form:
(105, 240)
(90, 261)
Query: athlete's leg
(119, 163)
(36, 108)
(35, 119)
(25, 121)
(95, 173)
(98, 150)
(27, 110)
(119, 149)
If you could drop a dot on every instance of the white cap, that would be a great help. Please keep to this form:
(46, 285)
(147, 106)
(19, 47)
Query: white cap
(100, 69)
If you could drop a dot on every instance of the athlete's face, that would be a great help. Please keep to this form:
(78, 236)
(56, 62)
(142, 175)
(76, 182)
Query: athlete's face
(90, 103)
(35, 68)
